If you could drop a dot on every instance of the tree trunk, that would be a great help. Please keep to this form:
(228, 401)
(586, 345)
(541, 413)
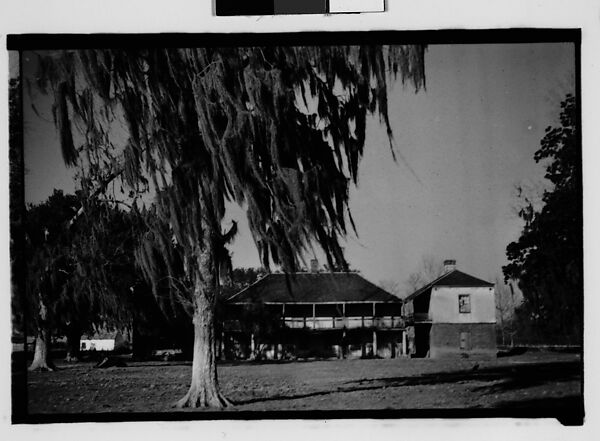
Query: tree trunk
(204, 389)
(73, 343)
(41, 354)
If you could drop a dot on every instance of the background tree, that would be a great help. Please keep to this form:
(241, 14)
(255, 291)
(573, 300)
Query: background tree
(429, 269)
(48, 265)
(239, 279)
(17, 202)
(392, 287)
(102, 251)
(278, 130)
(547, 260)
(80, 267)
(508, 300)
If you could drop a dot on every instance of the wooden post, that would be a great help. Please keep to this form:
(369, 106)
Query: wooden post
(404, 348)
(222, 346)
(374, 343)
(252, 345)
(314, 316)
(283, 315)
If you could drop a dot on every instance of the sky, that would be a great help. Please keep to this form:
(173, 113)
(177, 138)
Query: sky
(463, 145)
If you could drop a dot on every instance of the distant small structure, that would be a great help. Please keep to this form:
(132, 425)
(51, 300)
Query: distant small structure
(103, 340)
(454, 314)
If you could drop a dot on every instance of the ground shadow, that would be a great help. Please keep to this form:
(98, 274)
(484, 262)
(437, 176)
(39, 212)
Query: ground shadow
(504, 378)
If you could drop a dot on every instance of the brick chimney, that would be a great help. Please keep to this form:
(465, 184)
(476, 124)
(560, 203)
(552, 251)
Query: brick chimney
(449, 265)
(314, 266)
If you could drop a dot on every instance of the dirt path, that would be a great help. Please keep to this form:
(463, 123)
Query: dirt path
(537, 379)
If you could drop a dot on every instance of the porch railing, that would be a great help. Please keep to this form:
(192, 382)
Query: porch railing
(387, 322)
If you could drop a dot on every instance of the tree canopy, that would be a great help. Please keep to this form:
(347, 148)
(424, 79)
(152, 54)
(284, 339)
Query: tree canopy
(547, 260)
(277, 129)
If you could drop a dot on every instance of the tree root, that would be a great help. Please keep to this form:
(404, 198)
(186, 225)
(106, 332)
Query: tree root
(196, 398)
(42, 367)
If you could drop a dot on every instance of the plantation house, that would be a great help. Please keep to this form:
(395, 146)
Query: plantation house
(313, 314)
(452, 315)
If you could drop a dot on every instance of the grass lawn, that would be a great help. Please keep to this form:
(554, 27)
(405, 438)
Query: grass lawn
(533, 380)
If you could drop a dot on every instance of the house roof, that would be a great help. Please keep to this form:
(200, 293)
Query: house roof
(453, 278)
(313, 288)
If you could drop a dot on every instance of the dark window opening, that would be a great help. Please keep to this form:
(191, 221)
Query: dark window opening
(359, 309)
(464, 303)
(298, 310)
(388, 309)
(328, 310)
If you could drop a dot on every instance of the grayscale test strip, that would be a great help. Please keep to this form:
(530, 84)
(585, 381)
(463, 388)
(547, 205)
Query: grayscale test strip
(283, 7)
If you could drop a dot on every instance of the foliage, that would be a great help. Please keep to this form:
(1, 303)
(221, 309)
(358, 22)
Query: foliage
(508, 301)
(47, 250)
(80, 261)
(241, 278)
(16, 192)
(391, 286)
(216, 124)
(547, 260)
(429, 269)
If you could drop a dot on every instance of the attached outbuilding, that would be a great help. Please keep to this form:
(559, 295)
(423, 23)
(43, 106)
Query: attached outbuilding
(454, 314)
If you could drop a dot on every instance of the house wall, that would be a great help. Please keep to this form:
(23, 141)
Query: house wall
(478, 338)
(443, 306)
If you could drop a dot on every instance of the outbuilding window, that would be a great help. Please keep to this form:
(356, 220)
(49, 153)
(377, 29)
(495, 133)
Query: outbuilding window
(464, 303)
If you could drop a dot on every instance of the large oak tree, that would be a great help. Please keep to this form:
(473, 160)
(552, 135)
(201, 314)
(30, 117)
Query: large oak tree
(278, 130)
(547, 259)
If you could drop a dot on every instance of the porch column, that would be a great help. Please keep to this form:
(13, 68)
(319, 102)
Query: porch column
(222, 346)
(314, 316)
(283, 314)
(252, 345)
(404, 346)
(374, 343)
